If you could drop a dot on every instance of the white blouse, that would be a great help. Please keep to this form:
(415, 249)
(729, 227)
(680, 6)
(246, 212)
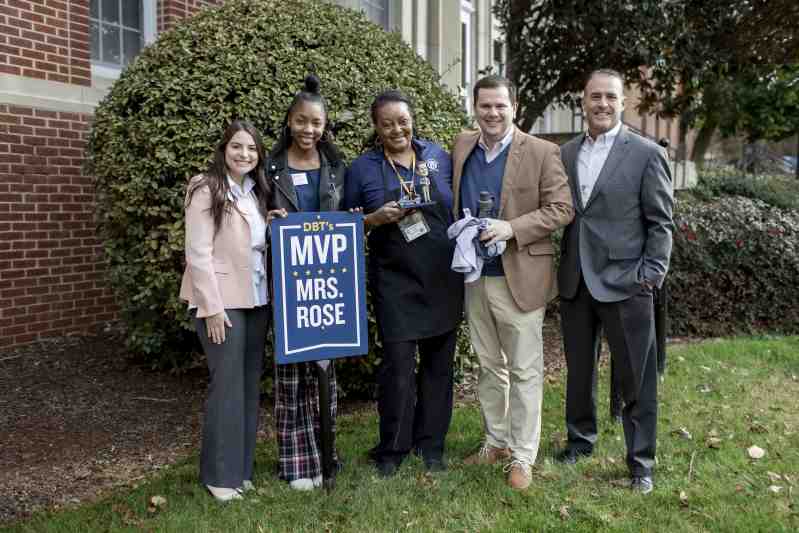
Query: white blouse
(247, 203)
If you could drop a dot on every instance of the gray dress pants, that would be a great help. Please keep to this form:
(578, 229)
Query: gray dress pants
(232, 406)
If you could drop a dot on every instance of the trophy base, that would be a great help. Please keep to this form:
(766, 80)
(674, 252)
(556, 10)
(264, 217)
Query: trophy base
(409, 204)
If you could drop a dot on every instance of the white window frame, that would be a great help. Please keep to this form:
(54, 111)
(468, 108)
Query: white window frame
(467, 10)
(386, 11)
(149, 33)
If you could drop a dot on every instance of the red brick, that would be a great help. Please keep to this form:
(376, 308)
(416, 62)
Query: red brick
(8, 69)
(9, 30)
(57, 77)
(24, 339)
(45, 11)
(33, 17)
(9, 11)
(12, 50)
(34, 74)
(49, 67)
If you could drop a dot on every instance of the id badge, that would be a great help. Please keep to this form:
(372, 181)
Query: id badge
(299, 178)
(413, 226)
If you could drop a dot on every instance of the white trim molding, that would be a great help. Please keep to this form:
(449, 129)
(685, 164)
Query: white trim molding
(50, 95)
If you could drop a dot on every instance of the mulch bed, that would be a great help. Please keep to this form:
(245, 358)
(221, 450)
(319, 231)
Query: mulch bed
(78, 416)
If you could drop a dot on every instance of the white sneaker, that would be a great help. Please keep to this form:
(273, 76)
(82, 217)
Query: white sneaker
(224, 494)
(247, 486)
(302, 484)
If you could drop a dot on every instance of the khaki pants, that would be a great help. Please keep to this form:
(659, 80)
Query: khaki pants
(509, 345)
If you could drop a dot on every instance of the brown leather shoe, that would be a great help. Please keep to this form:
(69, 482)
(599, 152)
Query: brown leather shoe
(488, 455)
(519, 475)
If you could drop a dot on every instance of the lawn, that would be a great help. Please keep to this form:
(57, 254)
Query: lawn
(718, 399)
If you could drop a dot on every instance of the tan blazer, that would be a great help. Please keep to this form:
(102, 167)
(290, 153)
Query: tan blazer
(218, 272)
(536, 200)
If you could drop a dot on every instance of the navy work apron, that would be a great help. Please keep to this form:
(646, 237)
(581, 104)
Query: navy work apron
(415, 292)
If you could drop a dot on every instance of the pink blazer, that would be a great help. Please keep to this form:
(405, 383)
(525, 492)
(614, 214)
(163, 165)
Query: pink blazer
(218, 272)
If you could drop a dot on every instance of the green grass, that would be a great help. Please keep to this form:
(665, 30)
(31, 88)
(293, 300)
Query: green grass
(742, 392)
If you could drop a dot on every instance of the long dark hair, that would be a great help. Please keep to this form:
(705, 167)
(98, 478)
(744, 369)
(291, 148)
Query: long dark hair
(387, 97)
(216, 175)
(309, 93)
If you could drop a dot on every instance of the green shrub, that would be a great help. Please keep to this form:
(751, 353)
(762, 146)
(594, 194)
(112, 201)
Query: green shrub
(162, 118)
(734, 267)
(777, 190)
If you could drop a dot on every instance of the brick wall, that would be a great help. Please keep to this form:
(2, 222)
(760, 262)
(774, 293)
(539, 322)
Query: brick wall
(53, 279)
(46, 39)
(170, 12)
(52, 275)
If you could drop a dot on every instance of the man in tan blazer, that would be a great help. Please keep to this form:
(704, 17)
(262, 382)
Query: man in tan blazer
(505, 306)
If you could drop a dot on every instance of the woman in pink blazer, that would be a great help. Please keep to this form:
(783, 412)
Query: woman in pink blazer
(226, 287)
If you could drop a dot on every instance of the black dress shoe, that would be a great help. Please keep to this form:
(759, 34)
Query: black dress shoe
(435, 465)
(386, 468)
(642, 484)
(570, 456)
(373, 453)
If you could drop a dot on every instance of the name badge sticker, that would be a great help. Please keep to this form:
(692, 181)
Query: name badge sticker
(299, 178)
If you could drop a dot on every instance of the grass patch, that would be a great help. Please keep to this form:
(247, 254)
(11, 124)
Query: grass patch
(728, 395)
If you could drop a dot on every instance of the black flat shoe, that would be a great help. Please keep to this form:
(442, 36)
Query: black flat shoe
(570, 456)
(386, 468)
(435, 465)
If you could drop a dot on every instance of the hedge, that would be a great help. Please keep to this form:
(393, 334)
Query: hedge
(162, 118)
(735, 263)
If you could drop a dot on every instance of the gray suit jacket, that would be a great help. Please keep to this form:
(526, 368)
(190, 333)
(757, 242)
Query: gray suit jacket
(623, 235)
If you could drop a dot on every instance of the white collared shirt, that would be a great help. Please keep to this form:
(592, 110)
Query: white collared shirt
(247, 203)
(498, 147)
(591, 159)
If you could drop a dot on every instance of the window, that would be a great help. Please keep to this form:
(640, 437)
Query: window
(376, 11)
(116, 29)
(499, 57)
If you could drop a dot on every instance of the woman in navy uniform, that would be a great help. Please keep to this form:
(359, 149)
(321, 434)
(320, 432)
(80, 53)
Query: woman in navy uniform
(418, 299)
(307, 173)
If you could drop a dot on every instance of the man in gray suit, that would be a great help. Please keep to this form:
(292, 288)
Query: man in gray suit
(613, 254)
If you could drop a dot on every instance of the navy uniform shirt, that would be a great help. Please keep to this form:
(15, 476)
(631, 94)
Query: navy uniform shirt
(365, 179)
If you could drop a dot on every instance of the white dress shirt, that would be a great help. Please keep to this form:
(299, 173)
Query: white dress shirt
(498, 147)
(591, 159)
(247, 203)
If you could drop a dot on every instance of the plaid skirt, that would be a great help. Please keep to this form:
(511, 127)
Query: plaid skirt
(299, 439)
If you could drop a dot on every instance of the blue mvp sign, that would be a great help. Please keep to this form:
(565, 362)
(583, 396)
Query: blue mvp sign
(320, 287)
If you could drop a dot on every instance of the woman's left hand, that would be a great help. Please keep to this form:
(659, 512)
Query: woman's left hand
(275, 213)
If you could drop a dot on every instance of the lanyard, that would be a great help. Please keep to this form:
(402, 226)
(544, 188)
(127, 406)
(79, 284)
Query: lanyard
(406, 186)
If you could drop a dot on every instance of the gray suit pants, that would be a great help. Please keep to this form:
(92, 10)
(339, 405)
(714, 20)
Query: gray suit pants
(232, 406)
(630, 329)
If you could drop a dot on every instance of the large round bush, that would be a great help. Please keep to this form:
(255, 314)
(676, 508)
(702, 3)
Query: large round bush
(162, 118)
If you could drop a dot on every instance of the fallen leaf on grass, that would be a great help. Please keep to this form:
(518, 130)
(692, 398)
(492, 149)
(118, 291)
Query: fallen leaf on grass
(776, 489)
(703, 388)
(156, 502)
(682, 433)
(683, 499)
(426, 479)
(774, 477)
(714, 443)
(756, 452)
(564, 512)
